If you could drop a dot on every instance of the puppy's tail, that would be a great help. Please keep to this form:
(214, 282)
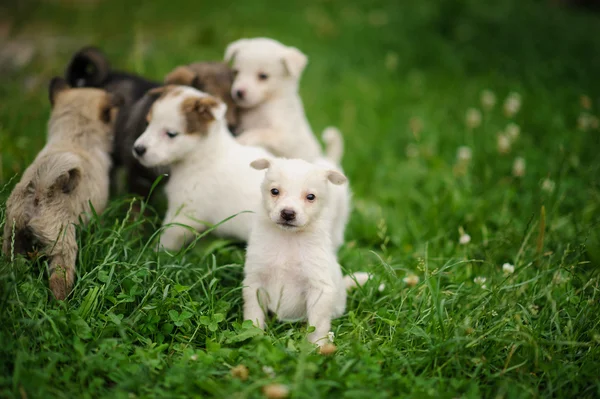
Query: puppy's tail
(334, 144)
(356, 280)
(60, 172)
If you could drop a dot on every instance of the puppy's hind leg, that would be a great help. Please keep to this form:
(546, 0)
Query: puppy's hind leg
(62, 252)
(62, 264)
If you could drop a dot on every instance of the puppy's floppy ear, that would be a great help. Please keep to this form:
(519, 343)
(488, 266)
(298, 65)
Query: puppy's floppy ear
(57, 86)
(294, 61)
(260, 164)
(336, 177)
(108, 108)
(89, 67)
(199, 111)
(181, 75)
(233, 48)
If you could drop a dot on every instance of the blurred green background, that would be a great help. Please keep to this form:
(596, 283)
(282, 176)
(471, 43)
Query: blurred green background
(399, 79)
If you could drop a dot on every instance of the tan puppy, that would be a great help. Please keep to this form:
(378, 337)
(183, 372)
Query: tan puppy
(70, 172)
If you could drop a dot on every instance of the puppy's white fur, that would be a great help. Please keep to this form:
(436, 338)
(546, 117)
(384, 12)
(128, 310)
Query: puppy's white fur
(291, 266)
(272, 115)
(209, 178)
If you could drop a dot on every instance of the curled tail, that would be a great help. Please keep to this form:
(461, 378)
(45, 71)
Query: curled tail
(334, 144)
(356, 280)
(60, 172)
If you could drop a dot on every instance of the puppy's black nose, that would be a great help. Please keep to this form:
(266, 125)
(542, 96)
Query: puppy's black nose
(288, 215)
(240, 94)
(139, 150)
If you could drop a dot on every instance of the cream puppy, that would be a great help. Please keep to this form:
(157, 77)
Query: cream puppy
(265, 87)
(209, 179)
(291, 267)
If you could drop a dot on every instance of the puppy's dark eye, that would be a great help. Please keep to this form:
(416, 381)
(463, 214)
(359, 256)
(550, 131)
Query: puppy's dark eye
(171, 134)
(274, 192)
(311, 197)
(235, 72)
(263, 76)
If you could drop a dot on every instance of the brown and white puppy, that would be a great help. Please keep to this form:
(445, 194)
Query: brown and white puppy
(70, 173)
(209, 178)
(89, 67)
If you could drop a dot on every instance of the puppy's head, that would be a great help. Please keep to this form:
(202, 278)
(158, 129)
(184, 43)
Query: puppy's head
(179, 122)
(294, 191)
(214, 78)
(89, 67)
(91, 105)
(263, 68)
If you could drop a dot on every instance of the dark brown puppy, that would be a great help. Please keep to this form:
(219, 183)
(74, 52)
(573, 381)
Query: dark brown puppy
(90, 67)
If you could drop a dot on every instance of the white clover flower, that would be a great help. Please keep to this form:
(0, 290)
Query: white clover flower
(503, 144)
(519, 167)
(508, 268)
(412, 150)
(480, 280)
(494, 313)
(194, 357)
(331, 336)
(512, 104)
(464, 154)
(584, 121)
(488, 99)
(548, 185)
(464, 239)
(513, 130)
(269, 371)
(381, 287)
(473, 118)
(411, 280)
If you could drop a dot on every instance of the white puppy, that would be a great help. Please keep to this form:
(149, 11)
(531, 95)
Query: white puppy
(265, 86)
(291, 267)
(209, 177)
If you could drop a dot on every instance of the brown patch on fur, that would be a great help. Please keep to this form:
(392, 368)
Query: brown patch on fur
(57, 86)
(198, 113)
(109, 107)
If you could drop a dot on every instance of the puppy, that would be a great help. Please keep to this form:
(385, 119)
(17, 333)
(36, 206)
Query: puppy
(89, 67)
(67, 175)
(267, 75)
(291, 267)
(209, 180)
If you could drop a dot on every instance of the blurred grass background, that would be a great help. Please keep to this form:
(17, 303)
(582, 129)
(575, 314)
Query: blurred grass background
(398, 79)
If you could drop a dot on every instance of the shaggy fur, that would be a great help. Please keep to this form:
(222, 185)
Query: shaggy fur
(210, 179)
(71, 172)
(90, 68)
(291, 267)
(267, 75)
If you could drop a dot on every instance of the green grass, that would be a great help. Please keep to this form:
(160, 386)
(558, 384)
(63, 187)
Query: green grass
(140, 324)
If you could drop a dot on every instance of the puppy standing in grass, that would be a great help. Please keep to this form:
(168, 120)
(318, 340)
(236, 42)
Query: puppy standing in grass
(291, 267)
(71, 172)
(209, 179)
(267, 75)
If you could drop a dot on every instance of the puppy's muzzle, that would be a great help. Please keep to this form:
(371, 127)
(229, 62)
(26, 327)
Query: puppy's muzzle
(139, 150)
(240, 94)
(288, 215)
